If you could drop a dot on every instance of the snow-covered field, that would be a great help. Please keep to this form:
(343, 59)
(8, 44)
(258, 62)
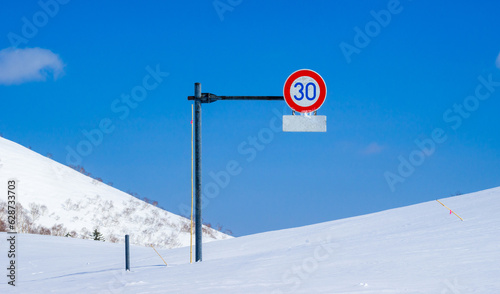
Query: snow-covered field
(416, 249)
(57, 198)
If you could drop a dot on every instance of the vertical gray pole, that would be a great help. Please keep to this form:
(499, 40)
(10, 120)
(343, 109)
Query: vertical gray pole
(127, 253)
(197, 168)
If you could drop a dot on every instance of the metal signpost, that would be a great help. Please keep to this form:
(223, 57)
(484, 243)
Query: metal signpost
(304, 92)
(200, 98)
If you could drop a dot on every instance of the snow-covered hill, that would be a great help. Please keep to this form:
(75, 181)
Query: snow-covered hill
(415, 249)
(58, 200)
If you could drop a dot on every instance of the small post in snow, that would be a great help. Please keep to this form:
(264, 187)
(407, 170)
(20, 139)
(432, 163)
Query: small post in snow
(127, 253)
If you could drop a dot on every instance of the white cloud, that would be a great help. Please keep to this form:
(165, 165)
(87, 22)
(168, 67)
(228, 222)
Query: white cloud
(498, 61)
(372, 148)
(19, 66)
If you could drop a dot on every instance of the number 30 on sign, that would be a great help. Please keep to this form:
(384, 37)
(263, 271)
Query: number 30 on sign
(304, 91)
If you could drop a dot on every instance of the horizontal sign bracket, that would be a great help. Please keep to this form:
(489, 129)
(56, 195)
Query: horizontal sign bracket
(209, 98)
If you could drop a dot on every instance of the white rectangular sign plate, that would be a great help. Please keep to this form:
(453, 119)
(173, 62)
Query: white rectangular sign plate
(304, 123)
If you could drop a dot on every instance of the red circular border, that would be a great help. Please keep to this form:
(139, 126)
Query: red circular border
(288, 85)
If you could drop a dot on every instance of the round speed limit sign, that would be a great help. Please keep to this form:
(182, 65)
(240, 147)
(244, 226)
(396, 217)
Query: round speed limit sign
(304, 91)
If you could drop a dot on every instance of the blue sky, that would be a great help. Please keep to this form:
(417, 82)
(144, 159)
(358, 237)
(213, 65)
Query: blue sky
(419, 70)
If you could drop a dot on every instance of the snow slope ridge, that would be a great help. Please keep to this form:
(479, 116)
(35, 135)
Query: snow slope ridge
(58, 200)
(415, 249)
